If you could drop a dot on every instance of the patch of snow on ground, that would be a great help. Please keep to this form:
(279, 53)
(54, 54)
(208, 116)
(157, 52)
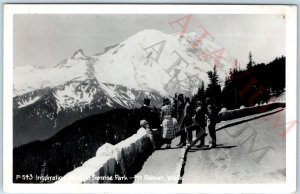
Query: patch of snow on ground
(114, 95)
(30, 101)
(68, 97)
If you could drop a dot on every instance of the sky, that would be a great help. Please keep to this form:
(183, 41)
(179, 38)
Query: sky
(45, 40)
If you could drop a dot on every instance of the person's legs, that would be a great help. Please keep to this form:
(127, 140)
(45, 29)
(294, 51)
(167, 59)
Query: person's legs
(156, 137)
(169, 143)
(200, 134)
(212, 134)
(203, 134)
(182, 138)
(198, 131)
(189, 131)
(189, 127)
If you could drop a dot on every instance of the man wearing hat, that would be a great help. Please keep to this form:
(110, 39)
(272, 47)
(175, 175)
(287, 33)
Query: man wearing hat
(180, 119)
(211, 122)
(145, 112)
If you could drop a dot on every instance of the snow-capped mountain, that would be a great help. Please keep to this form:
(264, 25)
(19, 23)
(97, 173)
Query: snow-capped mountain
(150, 63)
(41, 113)
(149, 60)
(29, 78)
(152, 60)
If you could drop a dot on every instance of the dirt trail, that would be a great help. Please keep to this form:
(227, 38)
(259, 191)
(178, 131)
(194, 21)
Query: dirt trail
(235, 160)
(163, 166)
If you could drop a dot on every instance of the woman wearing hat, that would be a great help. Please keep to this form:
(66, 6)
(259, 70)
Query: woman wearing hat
(169, 124)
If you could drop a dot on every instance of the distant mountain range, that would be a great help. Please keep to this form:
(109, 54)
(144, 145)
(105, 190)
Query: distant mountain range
(41, 113)
(47, 99)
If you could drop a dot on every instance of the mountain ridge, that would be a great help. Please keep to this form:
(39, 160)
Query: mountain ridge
(131, 64)
(41, 113)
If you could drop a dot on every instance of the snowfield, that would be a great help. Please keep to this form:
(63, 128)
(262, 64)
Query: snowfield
(149, 60)
(28, 78)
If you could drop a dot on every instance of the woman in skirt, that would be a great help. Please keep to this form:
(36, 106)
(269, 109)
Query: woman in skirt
(169, 124)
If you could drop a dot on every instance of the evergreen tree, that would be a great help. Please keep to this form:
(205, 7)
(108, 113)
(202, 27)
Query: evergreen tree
(257, 85)
(213, 90)
(236, 68)
(227, 78)
(250, 63)
(201, 92)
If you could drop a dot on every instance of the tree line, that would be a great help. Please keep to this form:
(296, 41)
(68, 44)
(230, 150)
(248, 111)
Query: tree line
(248, 87)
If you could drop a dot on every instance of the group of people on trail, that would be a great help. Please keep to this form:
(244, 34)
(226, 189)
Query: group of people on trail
(179, 117)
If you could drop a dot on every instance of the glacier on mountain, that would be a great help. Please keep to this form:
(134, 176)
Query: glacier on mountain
(149, 60)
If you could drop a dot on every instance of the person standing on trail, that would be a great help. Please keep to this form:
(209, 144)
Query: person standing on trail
(188, 119)
(145, 112)
(200, 121)
(180, 118)
(174, 105)
(169, 124)
(152, 116)
(212, 118)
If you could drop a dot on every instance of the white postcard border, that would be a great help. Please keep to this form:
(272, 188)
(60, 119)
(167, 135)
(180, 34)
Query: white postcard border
(291, 95)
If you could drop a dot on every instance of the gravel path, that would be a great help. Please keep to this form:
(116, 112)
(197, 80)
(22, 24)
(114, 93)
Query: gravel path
(250, 152)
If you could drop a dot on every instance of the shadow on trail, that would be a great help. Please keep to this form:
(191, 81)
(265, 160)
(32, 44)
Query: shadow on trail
(172, 148)
(194, 149)
(207, 148)
(244, 121)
